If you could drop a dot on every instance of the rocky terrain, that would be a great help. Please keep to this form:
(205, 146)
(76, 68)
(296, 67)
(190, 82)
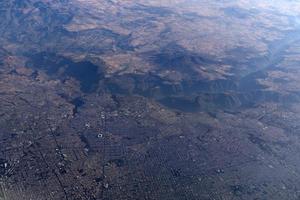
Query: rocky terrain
(149, 100)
